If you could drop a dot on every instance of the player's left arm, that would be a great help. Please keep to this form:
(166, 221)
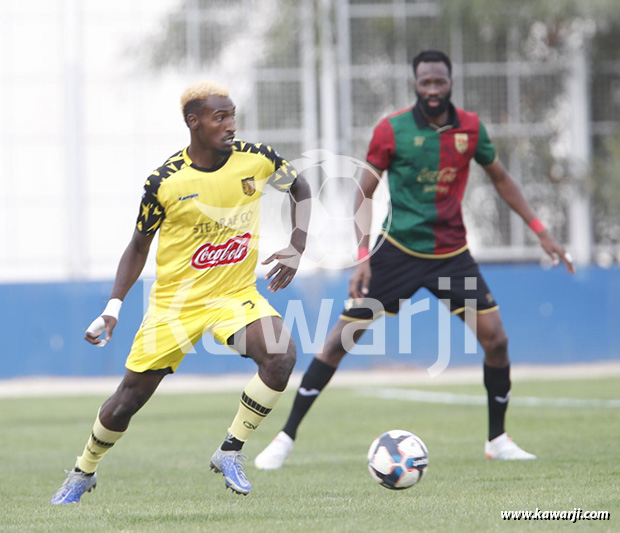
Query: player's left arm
(288, 259)
(511, 193)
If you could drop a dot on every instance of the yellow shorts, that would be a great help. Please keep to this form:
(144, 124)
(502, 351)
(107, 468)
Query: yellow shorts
(164, 338)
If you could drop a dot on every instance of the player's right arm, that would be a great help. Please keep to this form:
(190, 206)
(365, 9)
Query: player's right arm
(131, 264)
(151, 215)
(129, 269)
(362, 205)
(380, 151)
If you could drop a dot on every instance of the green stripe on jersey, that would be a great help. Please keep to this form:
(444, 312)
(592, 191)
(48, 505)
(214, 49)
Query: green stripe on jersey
(412, 183)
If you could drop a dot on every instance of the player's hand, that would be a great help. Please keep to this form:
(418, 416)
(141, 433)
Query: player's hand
(555, 251)
(285, 270)
(97, 327)
(358, 286)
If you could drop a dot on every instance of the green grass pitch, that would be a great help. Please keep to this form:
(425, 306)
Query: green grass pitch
(157, 477)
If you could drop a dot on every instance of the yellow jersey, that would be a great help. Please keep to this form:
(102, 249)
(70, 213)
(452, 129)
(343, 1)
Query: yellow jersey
(208, 222)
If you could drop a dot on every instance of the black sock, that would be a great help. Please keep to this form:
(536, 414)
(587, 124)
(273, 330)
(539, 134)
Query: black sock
(231, 443)
(315, 379)
(497, 383)
(76, 469)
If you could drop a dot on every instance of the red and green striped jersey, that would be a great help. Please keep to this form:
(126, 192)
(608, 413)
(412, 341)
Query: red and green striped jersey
(427, 172)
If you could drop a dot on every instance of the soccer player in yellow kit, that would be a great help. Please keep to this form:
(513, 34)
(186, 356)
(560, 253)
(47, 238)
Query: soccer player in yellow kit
(204, 202)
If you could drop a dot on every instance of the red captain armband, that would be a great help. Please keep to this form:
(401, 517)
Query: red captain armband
(362, 253)
(537, 226)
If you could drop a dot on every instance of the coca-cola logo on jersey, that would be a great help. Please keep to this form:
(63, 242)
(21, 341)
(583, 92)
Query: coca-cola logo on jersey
(210, 255)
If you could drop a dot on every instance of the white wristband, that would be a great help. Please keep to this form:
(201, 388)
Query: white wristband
(97, 326)
(113, 308)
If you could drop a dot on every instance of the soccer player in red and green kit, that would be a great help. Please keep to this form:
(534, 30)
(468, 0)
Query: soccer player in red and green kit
(426, 150)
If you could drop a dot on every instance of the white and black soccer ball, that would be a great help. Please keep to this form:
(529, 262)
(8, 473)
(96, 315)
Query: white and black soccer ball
(397, 459)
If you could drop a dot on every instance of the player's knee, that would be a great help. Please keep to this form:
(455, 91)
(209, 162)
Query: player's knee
(287, 360)
(332, 354)
(127, 404)
(496, 348)
(275, 369)
(334, 348)
(123, 412)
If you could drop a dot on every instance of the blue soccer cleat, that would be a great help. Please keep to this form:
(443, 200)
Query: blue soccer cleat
(229, 463)
(76, 484)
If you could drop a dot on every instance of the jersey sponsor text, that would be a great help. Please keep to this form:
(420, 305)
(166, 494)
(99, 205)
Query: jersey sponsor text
(210, 255)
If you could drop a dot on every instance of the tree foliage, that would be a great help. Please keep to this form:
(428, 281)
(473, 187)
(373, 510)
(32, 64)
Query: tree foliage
(234, 37)
(502, 14)
(606, 192)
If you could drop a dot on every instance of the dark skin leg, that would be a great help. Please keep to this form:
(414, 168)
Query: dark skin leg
(493, 339)
(275, 364)
(273, 368)
(490, 333)
(132, 393)
(334, 351)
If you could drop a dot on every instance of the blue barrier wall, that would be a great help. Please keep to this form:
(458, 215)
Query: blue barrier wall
(550, 317)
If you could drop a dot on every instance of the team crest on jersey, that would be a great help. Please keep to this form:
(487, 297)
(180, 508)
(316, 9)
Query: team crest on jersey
(248, 185)
(418, 140)
(460, 142)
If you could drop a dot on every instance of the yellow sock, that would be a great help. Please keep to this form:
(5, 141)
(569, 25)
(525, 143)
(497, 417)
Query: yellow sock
(100, 441)
(257, 401)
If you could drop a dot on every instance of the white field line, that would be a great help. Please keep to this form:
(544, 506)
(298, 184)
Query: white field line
(448, 398)
(43, 386)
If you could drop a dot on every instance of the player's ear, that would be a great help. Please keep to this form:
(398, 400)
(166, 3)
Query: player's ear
(192, 121)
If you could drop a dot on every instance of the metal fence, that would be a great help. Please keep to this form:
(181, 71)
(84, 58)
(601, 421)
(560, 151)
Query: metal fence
(89, 92)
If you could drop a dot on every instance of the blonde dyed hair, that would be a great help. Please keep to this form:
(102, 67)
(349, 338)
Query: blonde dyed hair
(200, 91)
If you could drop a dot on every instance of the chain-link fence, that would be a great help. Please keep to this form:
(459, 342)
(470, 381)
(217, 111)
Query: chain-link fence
(547, 117)
(89, 92)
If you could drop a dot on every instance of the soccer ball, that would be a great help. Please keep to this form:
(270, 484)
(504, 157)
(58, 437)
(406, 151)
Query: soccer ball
(397, 459)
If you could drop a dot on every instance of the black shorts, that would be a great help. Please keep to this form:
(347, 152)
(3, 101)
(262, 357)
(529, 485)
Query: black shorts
(397, 275)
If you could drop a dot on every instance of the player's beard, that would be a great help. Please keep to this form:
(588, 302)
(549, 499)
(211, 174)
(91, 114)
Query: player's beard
(434, 112)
